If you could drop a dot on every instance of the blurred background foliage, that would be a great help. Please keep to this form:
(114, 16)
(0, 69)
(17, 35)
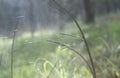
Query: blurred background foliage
(40, 20)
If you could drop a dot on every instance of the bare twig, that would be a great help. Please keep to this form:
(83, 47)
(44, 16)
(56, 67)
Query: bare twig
(83, 36)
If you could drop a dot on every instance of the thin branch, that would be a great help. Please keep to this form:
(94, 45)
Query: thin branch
(73, 51)
(83, 36)
(12, 47)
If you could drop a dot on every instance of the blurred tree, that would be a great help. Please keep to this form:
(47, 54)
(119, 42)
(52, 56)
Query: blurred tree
(115, 5)
(8, 17)
(1, 23)
(108, 6)
(89, 11)
(37, 12)
(74, 7)
(32, 17)
(61, 16)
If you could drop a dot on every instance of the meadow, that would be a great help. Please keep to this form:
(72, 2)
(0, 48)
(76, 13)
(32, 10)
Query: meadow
(38, 57)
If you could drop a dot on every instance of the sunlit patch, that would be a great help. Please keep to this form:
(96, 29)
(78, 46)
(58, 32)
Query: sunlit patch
(43, 32)
(1, 42)
(46, 32)
(26, 35)
(36, 34)
(4, 41)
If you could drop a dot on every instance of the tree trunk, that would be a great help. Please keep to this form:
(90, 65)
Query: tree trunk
(32, 19)
(108, 6)
(61, 17)
(89, 12)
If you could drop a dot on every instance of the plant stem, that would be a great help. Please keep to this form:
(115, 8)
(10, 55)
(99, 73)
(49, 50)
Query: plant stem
(12, 47)
(83, 36)
(73, 51)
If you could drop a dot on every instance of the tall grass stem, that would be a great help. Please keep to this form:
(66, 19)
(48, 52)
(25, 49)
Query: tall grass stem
(81, 32)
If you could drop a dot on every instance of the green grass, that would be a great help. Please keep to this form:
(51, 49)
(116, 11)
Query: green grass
(38, 58)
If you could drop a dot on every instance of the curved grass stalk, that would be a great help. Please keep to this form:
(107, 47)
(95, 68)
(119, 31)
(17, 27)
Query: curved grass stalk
(73, 51)
(81, 32)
